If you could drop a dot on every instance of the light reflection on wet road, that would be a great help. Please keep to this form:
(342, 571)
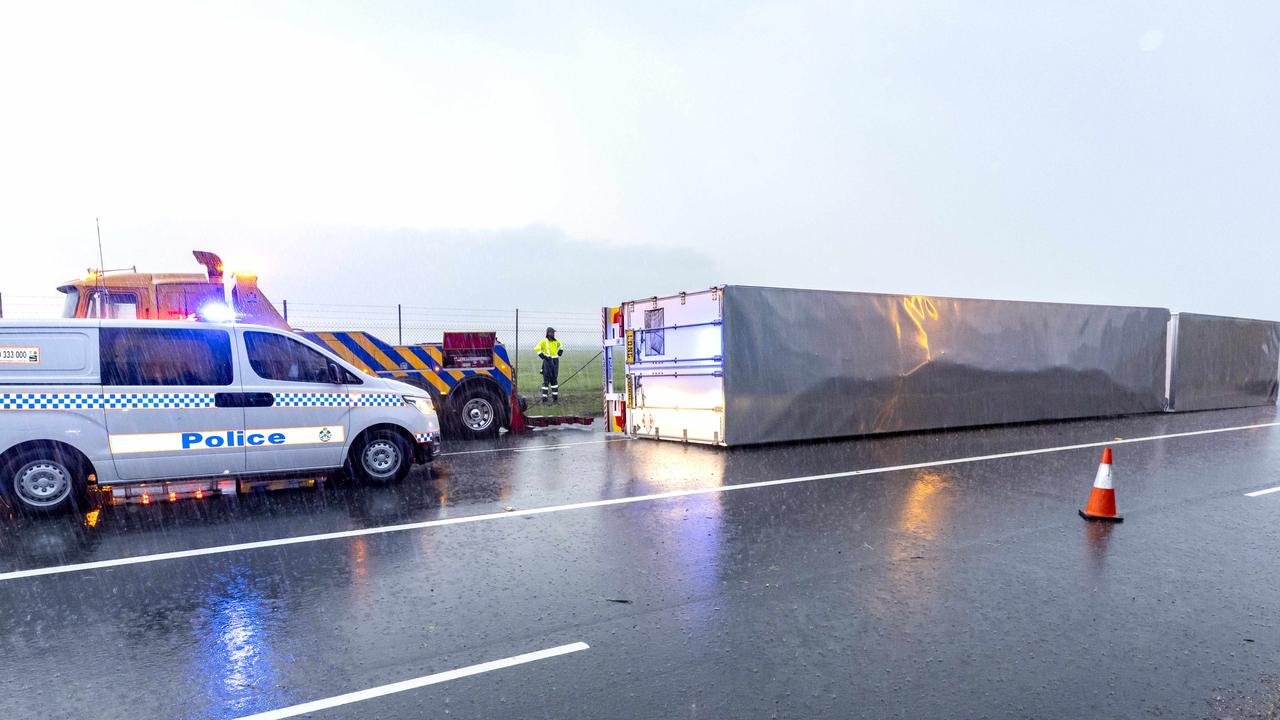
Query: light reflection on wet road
(955, 590)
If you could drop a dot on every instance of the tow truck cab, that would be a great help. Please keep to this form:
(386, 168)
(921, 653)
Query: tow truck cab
(131, 295)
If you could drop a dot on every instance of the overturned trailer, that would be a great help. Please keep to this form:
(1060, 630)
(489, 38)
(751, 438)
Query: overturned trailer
(1220, 362)
(740, 365)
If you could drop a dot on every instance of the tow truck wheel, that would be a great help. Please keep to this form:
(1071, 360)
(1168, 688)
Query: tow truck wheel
(382, 457)
(478, 414)
(44, 481)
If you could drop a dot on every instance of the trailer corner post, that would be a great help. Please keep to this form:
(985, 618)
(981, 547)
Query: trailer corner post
(285, 305)
(606, 360)
(399, 326)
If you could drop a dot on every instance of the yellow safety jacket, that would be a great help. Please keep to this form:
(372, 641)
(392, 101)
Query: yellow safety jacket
(549, 348)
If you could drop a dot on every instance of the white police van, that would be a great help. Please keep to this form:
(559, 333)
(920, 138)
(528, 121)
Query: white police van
(128, 402)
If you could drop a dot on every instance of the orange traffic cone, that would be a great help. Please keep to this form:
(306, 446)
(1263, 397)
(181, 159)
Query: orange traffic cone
(1102, 501)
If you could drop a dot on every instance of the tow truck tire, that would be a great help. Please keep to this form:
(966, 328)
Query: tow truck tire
(381, 457)
(477, 414)
(45, 480)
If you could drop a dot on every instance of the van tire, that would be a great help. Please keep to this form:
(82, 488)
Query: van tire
(477, 414)
(381, 457)
(45, 480)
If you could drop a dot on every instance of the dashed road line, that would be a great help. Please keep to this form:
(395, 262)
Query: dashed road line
(415, 683)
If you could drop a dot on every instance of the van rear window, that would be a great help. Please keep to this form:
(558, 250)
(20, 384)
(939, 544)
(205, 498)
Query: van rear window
(164, 356)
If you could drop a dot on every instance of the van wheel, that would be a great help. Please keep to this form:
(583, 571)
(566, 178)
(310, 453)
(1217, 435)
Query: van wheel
(44, 481)
(382, 457)
(478, 414)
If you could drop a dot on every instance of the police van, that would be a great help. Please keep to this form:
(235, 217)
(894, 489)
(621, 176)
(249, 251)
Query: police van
(128, 403)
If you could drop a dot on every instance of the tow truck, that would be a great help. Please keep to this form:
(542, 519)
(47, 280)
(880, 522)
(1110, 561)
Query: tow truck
(468, 374)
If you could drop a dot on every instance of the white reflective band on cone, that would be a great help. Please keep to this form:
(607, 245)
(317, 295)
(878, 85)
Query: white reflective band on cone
(1103, 480)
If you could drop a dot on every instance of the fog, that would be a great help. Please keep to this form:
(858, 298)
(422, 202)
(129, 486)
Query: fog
(571, 154)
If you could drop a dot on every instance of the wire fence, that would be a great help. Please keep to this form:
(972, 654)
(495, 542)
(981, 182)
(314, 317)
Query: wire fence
(30, 306)
(519, 330)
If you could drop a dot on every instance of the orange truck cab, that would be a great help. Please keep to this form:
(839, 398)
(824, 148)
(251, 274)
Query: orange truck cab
(170, 296)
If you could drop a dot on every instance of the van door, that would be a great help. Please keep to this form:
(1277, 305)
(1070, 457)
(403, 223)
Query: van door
(172, 402)
(297, 412)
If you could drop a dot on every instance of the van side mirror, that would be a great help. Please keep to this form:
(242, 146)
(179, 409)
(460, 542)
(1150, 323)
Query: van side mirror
(337, 375)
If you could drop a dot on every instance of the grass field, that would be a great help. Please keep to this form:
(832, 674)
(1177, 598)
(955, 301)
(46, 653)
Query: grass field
(579, 395)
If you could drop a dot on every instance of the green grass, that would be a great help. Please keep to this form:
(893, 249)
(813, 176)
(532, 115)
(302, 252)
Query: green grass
(579, 395)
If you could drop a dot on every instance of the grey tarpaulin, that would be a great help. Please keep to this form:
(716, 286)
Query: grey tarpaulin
(1223, 362)
(804, 364)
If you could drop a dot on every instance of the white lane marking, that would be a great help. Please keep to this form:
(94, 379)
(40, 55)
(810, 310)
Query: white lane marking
(414, 684)
(532, 447)
(1268, 491)
(220, 549)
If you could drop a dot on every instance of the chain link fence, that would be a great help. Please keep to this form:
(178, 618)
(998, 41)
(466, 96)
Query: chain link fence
(519, 330)
(19, 307)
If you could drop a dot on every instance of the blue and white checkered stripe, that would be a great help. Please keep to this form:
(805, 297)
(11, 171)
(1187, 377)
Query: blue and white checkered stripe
(109, 401)
(376, 400)
(423, 437)
(50, 401)
(325, 399)
(156, 401)
(184, 401)
(311, 399)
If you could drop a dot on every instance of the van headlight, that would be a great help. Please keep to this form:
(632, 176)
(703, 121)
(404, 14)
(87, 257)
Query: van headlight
(424, 405)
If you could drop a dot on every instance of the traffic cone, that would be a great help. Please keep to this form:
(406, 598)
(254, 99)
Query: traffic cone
(1102, 500)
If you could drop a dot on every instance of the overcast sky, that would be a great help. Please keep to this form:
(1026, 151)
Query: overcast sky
(563, 155)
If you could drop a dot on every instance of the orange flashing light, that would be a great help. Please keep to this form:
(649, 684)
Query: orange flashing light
(199, 494)
(146, 498)
(173, 496)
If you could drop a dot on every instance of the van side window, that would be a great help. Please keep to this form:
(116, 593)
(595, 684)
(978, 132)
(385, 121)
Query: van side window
(276, 357)
(164, 356)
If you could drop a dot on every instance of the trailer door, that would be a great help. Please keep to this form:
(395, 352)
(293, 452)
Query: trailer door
(675, 367)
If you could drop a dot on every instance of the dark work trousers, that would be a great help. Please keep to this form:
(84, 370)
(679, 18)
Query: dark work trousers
(551, 378)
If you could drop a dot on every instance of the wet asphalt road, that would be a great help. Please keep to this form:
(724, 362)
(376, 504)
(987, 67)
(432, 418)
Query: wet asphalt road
(954, 590)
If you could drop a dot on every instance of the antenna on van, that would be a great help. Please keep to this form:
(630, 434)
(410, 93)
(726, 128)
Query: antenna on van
(101, 264)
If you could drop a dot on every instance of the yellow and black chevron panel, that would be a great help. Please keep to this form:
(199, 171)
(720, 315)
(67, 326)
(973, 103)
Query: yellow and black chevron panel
(404, 362)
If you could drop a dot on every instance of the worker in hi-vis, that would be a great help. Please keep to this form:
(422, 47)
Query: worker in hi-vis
(549, 350)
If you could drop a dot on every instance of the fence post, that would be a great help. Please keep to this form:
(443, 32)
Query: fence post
(285, 304)
(1, 305)
(399, 325)
(515, 371)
